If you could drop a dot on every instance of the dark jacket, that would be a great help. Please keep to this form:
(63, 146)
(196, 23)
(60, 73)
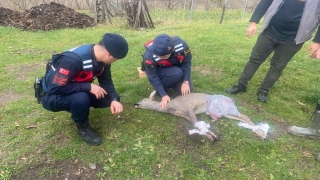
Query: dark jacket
(309, 22)
(74, 71)
(180, 57)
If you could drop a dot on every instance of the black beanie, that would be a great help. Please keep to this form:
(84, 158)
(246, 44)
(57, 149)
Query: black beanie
(162, 45)
(116, 45)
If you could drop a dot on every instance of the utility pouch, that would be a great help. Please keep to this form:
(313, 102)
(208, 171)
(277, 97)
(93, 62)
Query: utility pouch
(142, 65)
(38, 91)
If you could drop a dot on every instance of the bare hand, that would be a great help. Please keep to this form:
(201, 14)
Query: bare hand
(252, 29)
(116, 107)
(164, 101)
(98, 91)
(185, 89)
(318, 54)
(313, 49)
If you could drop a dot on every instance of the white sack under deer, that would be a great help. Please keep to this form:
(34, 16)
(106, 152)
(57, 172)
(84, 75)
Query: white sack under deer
(196, 103)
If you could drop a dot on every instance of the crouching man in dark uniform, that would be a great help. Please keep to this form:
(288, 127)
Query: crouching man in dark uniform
(68, 82)
(167, 63)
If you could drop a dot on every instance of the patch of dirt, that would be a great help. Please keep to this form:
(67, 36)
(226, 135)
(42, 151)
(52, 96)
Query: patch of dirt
(70, 169)
(9, 96)
(45, 17)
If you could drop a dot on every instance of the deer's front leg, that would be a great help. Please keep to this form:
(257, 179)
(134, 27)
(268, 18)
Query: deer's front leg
(203, 129)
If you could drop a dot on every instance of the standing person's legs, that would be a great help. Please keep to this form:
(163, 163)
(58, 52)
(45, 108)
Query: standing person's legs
(260, 52)
(283, 53)
(313, 131)
(172, 77)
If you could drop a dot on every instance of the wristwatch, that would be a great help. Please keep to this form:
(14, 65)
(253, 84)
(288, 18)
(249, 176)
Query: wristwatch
(186, 82)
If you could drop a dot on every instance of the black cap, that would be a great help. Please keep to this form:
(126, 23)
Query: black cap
(116, 45)
(162, 45)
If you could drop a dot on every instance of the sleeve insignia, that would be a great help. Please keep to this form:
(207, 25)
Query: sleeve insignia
(64, 71)
(148, 62)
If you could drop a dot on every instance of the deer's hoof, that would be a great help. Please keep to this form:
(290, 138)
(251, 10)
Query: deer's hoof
(216, 139)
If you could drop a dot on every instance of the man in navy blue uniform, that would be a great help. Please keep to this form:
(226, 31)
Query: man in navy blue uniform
(167, 63)
(69, 86)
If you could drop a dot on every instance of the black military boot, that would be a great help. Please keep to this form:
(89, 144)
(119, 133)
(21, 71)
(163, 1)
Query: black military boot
(88, 134)
(262, 95)
(236, 89)
(313, 131)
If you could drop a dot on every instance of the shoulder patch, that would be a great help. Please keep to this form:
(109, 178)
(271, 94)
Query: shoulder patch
(64, 71)
(149, 43)
(148, 62)
(60, 79)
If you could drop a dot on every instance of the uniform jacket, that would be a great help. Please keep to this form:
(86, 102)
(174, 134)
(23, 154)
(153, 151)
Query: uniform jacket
(74, 70)
(180, 57)
(309, 21)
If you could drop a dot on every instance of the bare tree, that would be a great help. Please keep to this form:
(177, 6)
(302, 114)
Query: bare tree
(223, 11)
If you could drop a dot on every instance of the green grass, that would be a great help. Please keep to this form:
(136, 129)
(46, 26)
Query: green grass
(140, 144)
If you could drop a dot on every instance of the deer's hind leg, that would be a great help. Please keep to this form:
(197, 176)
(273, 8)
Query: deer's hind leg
(246, 119)
(241, 117)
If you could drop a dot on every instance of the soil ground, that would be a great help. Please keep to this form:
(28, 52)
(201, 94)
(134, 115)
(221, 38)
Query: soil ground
(45, 17)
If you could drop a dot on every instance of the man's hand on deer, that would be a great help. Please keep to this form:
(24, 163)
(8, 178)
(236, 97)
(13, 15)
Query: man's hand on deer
(164, 101)
(185, 89)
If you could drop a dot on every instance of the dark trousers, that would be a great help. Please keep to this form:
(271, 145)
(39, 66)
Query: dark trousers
(172, 77)
(265, 45)
(77, 103)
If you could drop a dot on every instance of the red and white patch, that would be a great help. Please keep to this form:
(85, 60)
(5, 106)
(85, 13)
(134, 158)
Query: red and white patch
(180, 57)
(64, 71)
(149, 43)
(148, 62)
(60, 79)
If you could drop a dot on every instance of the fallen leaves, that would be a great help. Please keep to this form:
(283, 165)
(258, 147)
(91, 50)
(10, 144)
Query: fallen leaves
(307, 154)
(92, 166)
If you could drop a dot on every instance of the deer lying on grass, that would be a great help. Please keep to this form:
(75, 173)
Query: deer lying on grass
(187, 107)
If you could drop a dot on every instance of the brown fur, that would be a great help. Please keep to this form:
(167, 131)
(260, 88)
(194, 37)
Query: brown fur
(187, 107)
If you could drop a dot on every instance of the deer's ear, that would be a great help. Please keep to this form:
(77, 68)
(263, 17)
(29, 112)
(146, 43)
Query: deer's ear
(153, 93)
